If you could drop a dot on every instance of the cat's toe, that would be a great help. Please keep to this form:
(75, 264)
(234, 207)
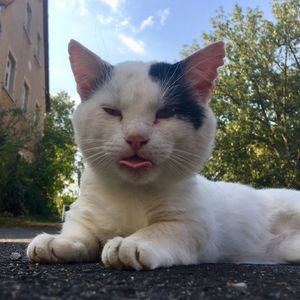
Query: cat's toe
(126, 253)
(130, 255)
(46, 248)
(110, 253)
(39, 250)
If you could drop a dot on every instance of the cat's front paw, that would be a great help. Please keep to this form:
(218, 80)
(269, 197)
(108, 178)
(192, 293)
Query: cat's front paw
(128, 253)
(46, 248)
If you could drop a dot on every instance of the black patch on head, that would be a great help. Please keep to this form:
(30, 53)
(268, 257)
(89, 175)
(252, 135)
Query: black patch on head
(179, 95)
(105, 74)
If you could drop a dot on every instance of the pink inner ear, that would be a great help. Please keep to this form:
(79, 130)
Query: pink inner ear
(201, 69)
(87, 68)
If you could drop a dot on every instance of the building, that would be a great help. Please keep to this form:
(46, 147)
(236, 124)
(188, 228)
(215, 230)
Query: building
(24, 71)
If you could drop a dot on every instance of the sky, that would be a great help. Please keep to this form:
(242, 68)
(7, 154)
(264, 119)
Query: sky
(123, 30)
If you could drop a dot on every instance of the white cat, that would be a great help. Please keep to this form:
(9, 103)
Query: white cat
(145, 130)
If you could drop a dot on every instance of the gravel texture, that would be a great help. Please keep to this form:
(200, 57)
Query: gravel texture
(20, 279)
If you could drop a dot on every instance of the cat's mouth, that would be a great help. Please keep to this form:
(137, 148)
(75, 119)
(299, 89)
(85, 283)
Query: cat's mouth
(136, 162)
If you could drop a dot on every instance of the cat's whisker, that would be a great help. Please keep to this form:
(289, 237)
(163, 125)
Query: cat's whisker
(182, 157)
(167, 87)
(184, 162)
(94, 141)
(92, 148)
(167, 83)
(173, 166)
(106, 145)
(101, 161)
(184, 152)
(96, 156)
(165, 78)
(201, 74)
(94, 152)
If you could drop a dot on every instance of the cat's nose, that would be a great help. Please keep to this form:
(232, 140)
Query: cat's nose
(136, 141)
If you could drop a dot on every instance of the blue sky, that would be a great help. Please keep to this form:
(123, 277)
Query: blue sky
(121, 30)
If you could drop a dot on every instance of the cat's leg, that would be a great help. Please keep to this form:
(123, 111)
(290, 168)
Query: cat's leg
(158, 245)
(287, 247)
(285, 225)
(74, 244)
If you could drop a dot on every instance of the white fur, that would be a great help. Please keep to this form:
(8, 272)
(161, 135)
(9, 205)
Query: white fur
(168, 215)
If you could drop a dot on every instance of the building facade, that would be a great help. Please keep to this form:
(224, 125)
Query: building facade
(24, 71)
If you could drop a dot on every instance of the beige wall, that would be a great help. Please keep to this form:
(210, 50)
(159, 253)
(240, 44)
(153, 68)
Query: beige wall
(14, 38)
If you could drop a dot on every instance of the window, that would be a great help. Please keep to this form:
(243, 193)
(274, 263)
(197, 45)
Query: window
(38, 47)
(25, 96)
(28, 19)
(36, 117)
(9, 77)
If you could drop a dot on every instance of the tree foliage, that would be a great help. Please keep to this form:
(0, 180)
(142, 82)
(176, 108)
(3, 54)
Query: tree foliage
(55, 162)
(36, 188)
(13, 170)
(257, 100)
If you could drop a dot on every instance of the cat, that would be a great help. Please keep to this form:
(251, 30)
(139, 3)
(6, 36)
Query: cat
(145, 130)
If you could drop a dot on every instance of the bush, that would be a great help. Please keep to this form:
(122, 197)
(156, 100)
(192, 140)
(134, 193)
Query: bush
(36, 187)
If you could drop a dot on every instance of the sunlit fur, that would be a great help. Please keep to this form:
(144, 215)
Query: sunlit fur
(168, 215)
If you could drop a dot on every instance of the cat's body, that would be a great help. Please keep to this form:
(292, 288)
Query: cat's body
(145, 131)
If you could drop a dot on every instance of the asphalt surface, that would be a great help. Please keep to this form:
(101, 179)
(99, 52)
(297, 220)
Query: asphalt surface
(23, 234)
(20, 279)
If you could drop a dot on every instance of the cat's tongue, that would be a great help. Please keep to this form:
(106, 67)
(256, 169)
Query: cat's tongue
(136, 162)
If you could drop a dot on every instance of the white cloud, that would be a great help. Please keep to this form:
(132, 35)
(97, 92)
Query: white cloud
(137, 46)
(125, 22)
(163, 15)
(113, 4)
(146, 23)
(103, 20)
(73, 4)
(82, 8)
(60, 4)
(122, 51)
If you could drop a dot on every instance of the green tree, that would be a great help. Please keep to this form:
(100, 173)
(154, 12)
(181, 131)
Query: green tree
(257, 100)
(14, 170)
(55, 163)
(36, 188)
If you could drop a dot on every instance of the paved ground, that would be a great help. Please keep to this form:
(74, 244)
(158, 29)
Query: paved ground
(20, 279)
(25, 234)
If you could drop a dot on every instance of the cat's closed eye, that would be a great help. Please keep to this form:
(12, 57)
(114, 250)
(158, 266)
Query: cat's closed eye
(112, 111)
(166, 112)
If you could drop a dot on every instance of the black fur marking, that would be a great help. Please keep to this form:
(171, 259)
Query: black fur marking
(179, 95)
(105, 75)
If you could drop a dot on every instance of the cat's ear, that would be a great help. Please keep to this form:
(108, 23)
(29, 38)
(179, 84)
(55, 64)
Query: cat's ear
(88, 69)
(201, 69)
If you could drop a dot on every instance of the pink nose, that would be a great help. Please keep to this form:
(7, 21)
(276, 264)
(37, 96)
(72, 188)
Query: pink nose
(136, 141)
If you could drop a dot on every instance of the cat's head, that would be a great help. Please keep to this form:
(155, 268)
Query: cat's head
(145, 122)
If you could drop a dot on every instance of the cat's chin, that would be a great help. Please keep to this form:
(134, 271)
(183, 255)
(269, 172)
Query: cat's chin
(138, 176)
(150, 176)
(122, 174)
